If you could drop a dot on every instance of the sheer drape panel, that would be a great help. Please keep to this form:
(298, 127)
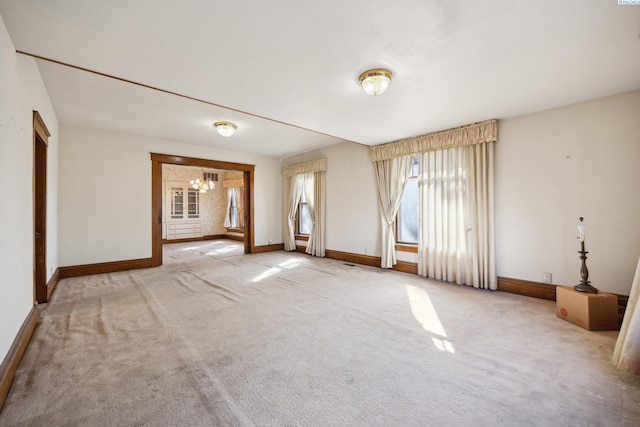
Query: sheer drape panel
(626, 355)
(391, 178)
(480, 215)
(240, 201)
(314, 187)
(308, 180)
(442, 241)
(456, 242)
(235, 192)
(294, 198)
(227, 219)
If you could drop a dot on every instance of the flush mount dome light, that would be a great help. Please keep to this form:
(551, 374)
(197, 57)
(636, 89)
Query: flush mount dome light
(375, 82)
(225, 129)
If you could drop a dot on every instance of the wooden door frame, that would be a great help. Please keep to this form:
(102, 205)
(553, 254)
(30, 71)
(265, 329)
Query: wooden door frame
(157, 160)
(40, 144)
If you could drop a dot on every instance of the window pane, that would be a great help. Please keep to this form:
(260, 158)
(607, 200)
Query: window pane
(233, 214)
(304, 219)
(414, 166)
(408, 214)
(233, 210)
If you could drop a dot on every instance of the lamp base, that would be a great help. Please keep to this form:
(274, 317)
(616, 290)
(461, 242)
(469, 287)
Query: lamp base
(585, 287)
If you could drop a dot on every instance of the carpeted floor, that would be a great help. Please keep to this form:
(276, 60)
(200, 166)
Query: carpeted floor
(216, 337)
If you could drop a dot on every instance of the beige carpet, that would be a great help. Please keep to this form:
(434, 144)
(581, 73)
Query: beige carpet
(215, 337)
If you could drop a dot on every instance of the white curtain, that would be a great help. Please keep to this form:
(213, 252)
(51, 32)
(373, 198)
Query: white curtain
(227, 218)
(391, 178)
(626, 355)
(314, 189)
(456, 219)
(240, 203)
(293, 200)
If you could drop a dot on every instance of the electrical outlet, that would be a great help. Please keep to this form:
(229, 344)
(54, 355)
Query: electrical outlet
(547, 277)
(270, 241)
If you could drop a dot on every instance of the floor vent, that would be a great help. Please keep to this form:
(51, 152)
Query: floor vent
(350, 265)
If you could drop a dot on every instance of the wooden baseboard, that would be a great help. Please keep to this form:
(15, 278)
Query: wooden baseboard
(269, 248)
(105, 267)
(196, 239)
(235, 237)
(528, 288)
(406, 267)
(51, 284)
(372, 261)
(13, 358)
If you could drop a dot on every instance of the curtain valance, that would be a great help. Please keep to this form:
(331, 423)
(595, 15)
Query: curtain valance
(476, 133)
(315, 165)
(233, 183)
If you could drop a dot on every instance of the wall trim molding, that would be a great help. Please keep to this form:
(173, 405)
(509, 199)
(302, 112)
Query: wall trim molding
(270, 248)
(13, 358)
(237, 238)
(351, 257)
(105, 267)
(527, 288)
(51, 284)
(406, 267)
(196, 239)
(404, 247)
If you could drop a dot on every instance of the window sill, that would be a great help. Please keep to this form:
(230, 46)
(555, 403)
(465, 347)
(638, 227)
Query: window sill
(302, 237)
(406, 247)
(235, 230)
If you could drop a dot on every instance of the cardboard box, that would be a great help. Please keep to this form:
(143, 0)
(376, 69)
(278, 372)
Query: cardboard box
(595, 312)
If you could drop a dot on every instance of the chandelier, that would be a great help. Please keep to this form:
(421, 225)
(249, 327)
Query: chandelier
(202, 185)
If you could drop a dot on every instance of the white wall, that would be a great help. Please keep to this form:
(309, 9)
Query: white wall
(353, 218)
(105, 193)
(557, 165)
(21, 92)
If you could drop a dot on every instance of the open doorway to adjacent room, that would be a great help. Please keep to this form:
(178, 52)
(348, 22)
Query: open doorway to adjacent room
(221, 206)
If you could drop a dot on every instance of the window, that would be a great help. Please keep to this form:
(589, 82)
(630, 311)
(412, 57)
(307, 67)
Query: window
(407, 218)
(210, 176)
(234, 217)
(304, 217)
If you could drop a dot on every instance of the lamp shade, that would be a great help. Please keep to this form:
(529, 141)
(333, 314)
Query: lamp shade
(225, 129)
(375, 82)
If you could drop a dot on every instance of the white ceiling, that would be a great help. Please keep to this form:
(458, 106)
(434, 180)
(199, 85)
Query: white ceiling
(287, 70)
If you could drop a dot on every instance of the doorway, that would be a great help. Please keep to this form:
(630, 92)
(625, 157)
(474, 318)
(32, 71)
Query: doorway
(157, 160)
(40, 144)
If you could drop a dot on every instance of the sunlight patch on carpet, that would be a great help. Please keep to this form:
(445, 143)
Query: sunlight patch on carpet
(290, 263)
(424, 312)
(268, 273)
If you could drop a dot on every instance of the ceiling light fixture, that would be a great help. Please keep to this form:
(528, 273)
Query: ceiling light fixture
(375, 82)
(202, 186)
(225, 129)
